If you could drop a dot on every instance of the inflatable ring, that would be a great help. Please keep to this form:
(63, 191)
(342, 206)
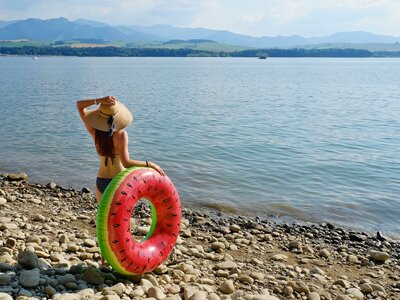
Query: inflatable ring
(118, 247)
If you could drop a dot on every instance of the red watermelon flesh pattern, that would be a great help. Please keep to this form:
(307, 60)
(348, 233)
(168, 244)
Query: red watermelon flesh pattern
(141, 257)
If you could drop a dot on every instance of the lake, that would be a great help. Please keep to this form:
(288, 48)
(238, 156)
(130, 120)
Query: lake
(311, 139)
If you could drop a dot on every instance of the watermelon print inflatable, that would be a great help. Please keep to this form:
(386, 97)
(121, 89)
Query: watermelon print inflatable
(118, 247)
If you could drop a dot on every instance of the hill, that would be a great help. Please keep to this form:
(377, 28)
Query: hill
(59, 29)
(63, 29)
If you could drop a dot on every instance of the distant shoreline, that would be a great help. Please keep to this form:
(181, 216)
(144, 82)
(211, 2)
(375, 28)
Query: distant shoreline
(162, 52)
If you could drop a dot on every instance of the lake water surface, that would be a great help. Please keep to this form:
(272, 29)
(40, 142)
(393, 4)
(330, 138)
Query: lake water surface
(313, 139)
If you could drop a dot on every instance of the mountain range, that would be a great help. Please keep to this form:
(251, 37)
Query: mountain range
(62, 29)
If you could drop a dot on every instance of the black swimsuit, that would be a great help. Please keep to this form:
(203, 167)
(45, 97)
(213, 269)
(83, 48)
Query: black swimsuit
(102, 183)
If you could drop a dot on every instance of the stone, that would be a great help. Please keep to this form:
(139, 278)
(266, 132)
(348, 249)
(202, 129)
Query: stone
(86, 190)
(199, 295)
(67, 278)
(72, 247)
(39, 218)
(352, 259)
(51, 185)
(156, 292)
(226, 265)
(313, 296)
(2, 201)
(294, 245)
(217, 246)
(355, 292)
(93, 276)
(5, 279)
(50, 291)
(279, 257)
(379, 256)
(234, 228)
(110, 297)
(227, 287)
(118, 288)
(29, 278)
(343, 297)
(342, 283)
(299, 286)
(17, 177)
(366, 288)
(174, 289)
(244, 278)
(378, 287)
(213, 296)
(324, 253)
(5, 296)
(28, 259)
(89, 243)
(63, 239)
(263, 297)
(11, 243)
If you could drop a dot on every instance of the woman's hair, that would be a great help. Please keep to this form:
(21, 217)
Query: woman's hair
(104, 143)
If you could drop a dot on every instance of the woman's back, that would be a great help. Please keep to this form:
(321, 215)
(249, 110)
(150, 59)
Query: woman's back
(111, 165)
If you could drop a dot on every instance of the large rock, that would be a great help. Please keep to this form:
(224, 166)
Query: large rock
(17, 177)
(28, 259)
(29, 278)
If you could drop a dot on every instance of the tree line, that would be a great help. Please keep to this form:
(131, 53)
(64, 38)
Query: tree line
(161, 52)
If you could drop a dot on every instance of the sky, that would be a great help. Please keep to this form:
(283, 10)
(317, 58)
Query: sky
(308, 18)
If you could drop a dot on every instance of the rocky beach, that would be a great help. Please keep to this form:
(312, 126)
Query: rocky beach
(48, 250)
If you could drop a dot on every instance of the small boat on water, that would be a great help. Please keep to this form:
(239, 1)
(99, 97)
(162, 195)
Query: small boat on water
(262, 57)
(35, 57)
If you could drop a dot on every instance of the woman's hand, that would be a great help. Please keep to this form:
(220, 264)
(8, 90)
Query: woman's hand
(107, 100)
(157, 168)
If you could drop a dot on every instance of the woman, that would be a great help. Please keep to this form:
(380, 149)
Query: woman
(106, 126)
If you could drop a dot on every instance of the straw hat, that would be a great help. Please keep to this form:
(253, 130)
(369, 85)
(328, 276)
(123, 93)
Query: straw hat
(109, 118)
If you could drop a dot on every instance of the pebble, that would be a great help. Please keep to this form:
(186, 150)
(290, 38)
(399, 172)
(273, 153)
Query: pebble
(355, 292)
(324, 253)
(2, 201)
(199, 295)
(5, 296)
(218, 259)
(299, 286)
(279, 257)
(156, 292)
(29, 278)
(28, 259)
(313, 296)
(226, 265)
(93, 276)
(379, 256)
(89, 243)
(227, 287)
(5, 279)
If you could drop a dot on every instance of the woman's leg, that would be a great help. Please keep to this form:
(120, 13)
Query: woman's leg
(98, 195)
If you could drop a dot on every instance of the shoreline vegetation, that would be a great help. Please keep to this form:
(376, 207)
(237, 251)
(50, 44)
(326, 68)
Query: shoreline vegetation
(48, 250)
(110, 51)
